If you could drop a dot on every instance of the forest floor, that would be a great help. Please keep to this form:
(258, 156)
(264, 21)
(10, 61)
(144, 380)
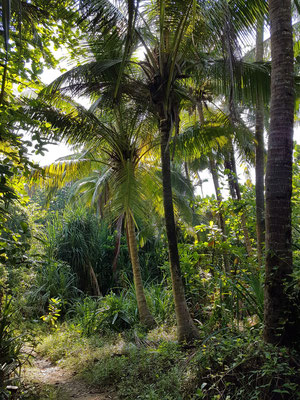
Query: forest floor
(60, 384)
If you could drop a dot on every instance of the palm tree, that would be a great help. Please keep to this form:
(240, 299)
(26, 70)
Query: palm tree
(280, 327)
(119, 142)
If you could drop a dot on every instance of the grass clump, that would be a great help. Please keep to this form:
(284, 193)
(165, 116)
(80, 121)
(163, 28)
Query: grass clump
(141, 372)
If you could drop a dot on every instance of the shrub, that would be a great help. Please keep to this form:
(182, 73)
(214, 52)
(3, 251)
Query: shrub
(53, 279)
(235, 367)
(140, 372)
(11, 358)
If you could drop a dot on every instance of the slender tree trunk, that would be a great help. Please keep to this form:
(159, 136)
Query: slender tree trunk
(230, 177)
(186, 329)
(259, 152)
(280, 327)
(214, 173)
(239, 197)
(235, 192)
(145, 316)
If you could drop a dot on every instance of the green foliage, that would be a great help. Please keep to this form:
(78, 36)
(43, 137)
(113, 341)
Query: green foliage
(43, 392)
(52, 279)
(54, 273)
(85, 314)
(68, 346)
(11, 358)
(80, 239)
(160, 300)
(15, 242)
(140, 373)
(30, 30)
(112, 312)
(225, 365)
(234, 367)
(53, 313)
(119, 312)
(296, 207)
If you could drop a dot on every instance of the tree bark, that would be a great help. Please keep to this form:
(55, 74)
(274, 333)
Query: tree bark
(280, 327)
(259, 152)
(145, 316)
(186, 329)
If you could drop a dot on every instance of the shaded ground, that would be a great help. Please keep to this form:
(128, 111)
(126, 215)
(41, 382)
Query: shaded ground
(64, 383)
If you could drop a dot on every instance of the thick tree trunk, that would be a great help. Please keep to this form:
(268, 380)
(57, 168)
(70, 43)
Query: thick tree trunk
(145, 316)
(259, 153)
(186, 329)
(280, 325)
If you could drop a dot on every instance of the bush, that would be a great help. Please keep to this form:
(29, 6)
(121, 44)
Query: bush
(118, 312)
(140, 373)
(235, 367)
(11, 358)
(53, 279)
(112, 312)
(160, 301)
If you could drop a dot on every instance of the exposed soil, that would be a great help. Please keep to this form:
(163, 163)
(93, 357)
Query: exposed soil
(42, 372)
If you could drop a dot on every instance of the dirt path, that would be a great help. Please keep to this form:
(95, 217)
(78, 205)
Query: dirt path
(43, 372)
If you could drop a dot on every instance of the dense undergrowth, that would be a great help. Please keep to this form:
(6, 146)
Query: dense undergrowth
(48, 299)
(223, 365)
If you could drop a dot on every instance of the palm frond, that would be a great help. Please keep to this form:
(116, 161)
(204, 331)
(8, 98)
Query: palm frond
(199, 139)
(250, 80)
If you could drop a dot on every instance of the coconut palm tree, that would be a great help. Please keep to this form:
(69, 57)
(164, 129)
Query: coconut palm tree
(118, 142)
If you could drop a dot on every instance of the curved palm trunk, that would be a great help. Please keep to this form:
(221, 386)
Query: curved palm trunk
(145, 316)
(259, 153)
(94, 281)
(280, 327)
(186, 329)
